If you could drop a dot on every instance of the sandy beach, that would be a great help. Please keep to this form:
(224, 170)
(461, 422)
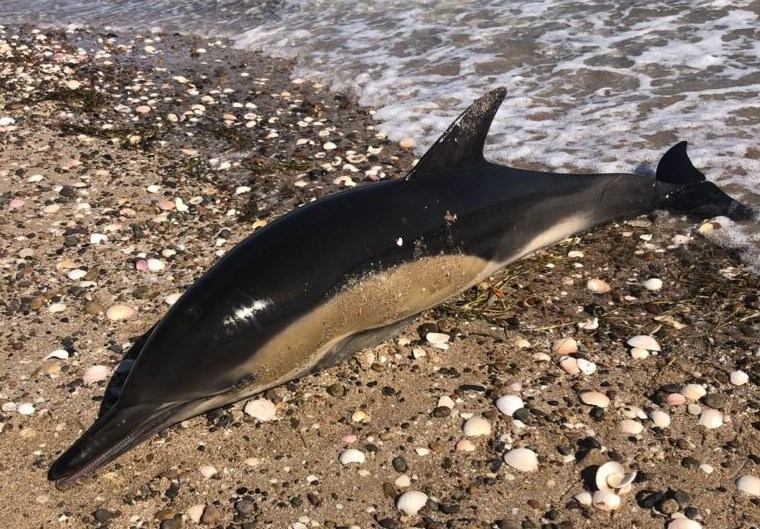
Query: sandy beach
(129, 163)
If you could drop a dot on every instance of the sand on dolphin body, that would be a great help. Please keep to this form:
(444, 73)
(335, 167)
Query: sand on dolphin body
(86, 184)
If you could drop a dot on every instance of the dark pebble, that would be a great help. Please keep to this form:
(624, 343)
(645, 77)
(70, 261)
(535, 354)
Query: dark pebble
(399, 463)
(522, 415)
(336, 390)
(441, 412)
(507, 524)
(102, 515)
(245, 506)
(691, 513)
(448, 508)
(172, 523)
(389, 523)
(682, 498)
(669, 506)
(714, 400)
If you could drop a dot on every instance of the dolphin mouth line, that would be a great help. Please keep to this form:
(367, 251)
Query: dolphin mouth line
(112, 453)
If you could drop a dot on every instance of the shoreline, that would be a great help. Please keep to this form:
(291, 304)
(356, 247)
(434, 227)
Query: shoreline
(126, 171)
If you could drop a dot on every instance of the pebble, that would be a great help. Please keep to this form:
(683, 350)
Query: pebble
(565, 346)
(715, 401)
(411, 502)
(595, 398)
(171, 299)
(95, 374)
(598, 286)
(351, 455)
(509, 404)
(639, 354)
(477, 427)
(195, 512)
(522, 459)
(584, 498)
(438, 340)
(120, 312)
(749, 485)
(407, 143)
(403, 481)
(261, 409)
(738, 378)
(446, 402)
(465, 445)
(211, 515)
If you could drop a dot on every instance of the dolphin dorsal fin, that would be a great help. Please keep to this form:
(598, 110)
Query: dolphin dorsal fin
(461, 146)
(675, 167)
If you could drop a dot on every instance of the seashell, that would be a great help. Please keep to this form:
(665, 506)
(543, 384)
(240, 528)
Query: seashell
(639, 354)
(522, 343)
(565, 346)
(674, 399)
(522, 459)
(633, 412)
(438, 340)
(739, 377)
(569, 365)
(605, 472)
(411, 502)
(660, 418)
(465, 445)
(684, 523)
(25, 408)
(586, 366)
(584, 498)
(358, 416)
(403, 481)
(260, 409)
(95, 374)
(477, 427)
(710, 418)
(508, 404)
(446, 402)
(749, 485)
(693, 392)
(589, 325)
(119, 312)
(653, 283)
(606, 501)
(208, 471)
(595, 398)
(351, 455)
(629, 426)
(598, 286)
(644, 341)
(60, 354)
(195, 512)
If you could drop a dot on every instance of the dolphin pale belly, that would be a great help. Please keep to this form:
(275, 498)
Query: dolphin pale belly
(347, 271)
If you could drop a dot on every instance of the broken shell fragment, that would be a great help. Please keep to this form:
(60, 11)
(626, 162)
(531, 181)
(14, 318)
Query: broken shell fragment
(565, 346)
(644, 341)
(606, 501)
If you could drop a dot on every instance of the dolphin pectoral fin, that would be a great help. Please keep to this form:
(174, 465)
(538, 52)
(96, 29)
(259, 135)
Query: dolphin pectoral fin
(461, 146)
(116, 431)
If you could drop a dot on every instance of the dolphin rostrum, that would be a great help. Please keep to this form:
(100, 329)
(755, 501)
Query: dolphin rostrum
(347, 271)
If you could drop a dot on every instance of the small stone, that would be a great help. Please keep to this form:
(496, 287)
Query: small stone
(406, 143)
(653, 284)
(195, 512)
(669, 506)
(565, 346)
(208, 471)
(25, 408)
(245, 506)
(211, 515)
(715, 401)
(261, 409)
(336, 390)
(683, 523)
(674, 399)
(399, 464)
(411, 502)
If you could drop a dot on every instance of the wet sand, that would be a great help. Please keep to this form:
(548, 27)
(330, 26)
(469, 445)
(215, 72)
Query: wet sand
(129, 163)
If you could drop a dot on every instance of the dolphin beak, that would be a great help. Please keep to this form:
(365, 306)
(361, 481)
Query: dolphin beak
(118, 430)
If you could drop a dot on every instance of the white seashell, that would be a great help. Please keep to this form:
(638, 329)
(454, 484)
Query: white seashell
(411, 502)
(522, 343)
(684, 523)
(195, 512)
(598, 286)
(644, 341)
(208, 471)
(358, 416)
(693, 392)
(569, 365)
(589, 325)
(522, 459)
(508, 404)
(586, 366)
(629, 426)
(633, 412)
(584, 498)
(422, 451)
(565, 346)
(60, 354)
(119, 312)
(595, 398)
(465, 445)
(403, 481)
(694, 409)
(171, 299)
(639, 354)
(477, 427)
(446, 402)
(653, 283)
(25, 408)
(739, 377)
(351, 455)
(438, 340)
(155, 265)
(605, 472)
(575, 254)
(95, 374)
(749, 485)
(606, 501)
(76, 275)
(710, 418)
(660, 418)
(261, 409)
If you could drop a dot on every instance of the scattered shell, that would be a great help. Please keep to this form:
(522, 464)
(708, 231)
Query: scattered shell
(477, 427)
(639, 354)
(611, 469)
(586, 366)
(710, 418)
(693, 392)
(739, 377)
(358, 416)
(508, 404)
(351, 455)
(660, 418)
(653, 283)
(674, 399)
(644, 341)
(403, 481)
(749, 485)
(598, 286)
(438, 340)
(629, 426)
(60, 354)
(565, 346)
(25, 408)
(95, 374)
(465, 445)
(261, 409)
(195, 512)
(119, 312)
(684, 523)
(411, 502)
(606, 501)
(171, 299)
(584, 498)
(589, 325)
(522, 459)
(208, 471)
(569, 365)
(595, 398)
(446, 402)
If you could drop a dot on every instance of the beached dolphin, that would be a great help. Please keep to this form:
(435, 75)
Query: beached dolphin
(347, 271)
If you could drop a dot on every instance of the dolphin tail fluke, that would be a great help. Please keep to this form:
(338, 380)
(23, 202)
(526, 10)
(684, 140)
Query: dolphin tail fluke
(691, 192)
(115, 432)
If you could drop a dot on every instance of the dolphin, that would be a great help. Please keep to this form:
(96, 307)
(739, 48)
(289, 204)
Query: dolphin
(347, 271)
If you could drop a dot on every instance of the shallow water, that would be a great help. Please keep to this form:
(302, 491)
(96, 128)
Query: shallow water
(593, 85)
